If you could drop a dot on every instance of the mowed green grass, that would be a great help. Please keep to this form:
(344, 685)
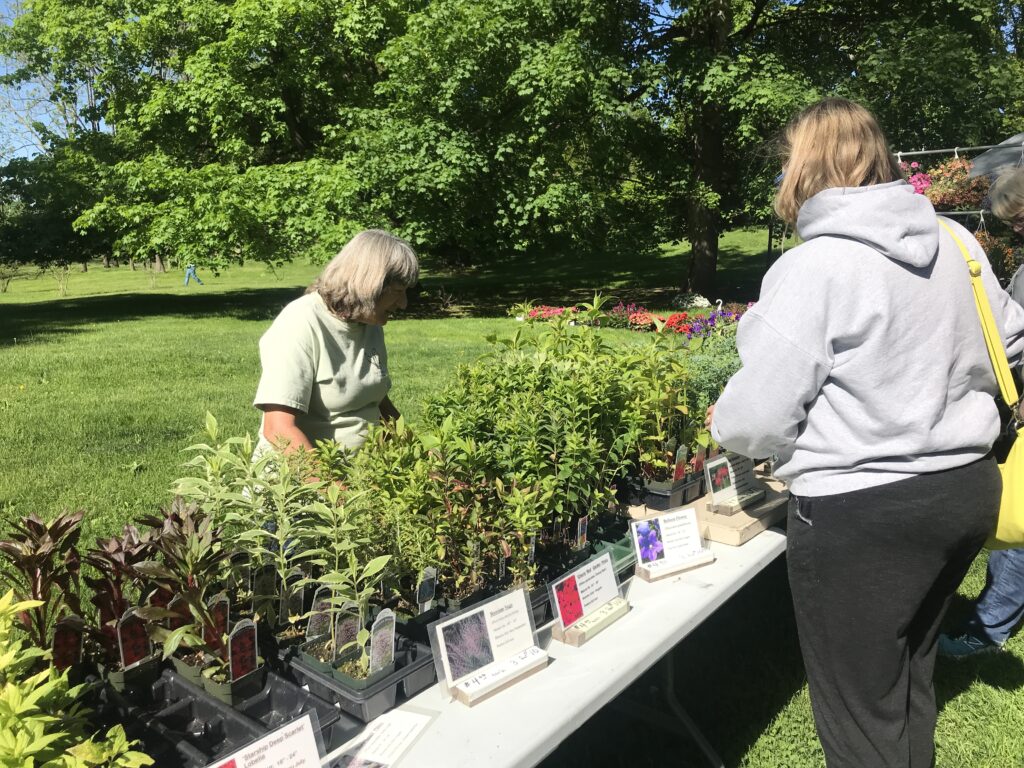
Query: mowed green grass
(100, 391)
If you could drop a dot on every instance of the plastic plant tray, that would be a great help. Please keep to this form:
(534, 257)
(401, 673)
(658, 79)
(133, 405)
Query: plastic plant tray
(282, 701)
(414, 672)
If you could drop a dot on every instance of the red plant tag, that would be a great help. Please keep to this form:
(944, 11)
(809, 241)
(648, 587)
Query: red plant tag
(219, 613)
(67, 644)
(242, 657)
(132, 639)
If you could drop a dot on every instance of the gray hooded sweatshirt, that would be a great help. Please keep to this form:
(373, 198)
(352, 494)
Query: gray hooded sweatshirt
(863, 361)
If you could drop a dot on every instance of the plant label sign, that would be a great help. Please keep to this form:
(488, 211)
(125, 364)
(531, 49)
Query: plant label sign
(242, 656)
(668, 543)
(382, 641)
(731, 483)
(346, 631)
(477, 646)
(132, 639)
(382, 742)
(426, 587)
(67, 643)
(320, 617)
(581, 532)
(293, 599)
(583, 590)
(213, 634)
(179, 607)
(290, 746)
(264, 586)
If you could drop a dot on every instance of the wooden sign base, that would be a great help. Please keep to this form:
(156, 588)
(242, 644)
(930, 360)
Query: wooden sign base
(731, 507)
(500, 675)
(744, 525)
(587, 628)
(648, 573)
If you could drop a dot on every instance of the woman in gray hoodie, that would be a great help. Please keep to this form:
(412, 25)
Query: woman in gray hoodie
(864, 371)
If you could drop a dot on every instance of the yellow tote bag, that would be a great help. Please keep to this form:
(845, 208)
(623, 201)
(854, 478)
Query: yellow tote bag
(1009, 531)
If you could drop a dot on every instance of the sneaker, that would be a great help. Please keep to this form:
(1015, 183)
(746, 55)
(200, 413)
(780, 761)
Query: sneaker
(964, 646)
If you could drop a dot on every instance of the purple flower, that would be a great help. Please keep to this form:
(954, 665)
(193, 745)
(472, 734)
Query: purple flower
(648, 535)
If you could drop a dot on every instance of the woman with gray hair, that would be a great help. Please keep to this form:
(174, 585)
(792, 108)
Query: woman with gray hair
(1000, 606)
(325, 366)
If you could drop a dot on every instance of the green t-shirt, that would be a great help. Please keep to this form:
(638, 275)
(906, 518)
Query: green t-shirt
(334, 371)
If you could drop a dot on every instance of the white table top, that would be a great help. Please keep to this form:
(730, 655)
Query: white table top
(521, 725)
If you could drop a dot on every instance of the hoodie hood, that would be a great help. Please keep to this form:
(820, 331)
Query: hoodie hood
(891, 218)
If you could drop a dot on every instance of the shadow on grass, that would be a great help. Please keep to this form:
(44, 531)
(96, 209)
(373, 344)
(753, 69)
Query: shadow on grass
(734, 674)
(953, 677)
(650, 279)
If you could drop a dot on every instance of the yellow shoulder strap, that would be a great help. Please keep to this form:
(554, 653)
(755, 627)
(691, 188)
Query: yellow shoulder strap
(994, 342)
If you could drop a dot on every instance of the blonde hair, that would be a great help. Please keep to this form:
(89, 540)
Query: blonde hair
(1006, 195)
(352, 282)
(834, 143)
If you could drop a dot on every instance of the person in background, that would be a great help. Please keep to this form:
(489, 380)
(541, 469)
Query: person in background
(325, 366)
(865, 370)
(1000, 606)
(190, 273)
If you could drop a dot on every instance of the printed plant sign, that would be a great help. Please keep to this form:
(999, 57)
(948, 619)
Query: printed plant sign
(67, 644)
(569, 604)
(581, 532)
(220, 615)
(382, 641)
(132, 639)
(649, 541)
(320, 619)
(242, 656)
(720, 479)
(426, 588)
(679, 471)
(467, 645)
(346, 631)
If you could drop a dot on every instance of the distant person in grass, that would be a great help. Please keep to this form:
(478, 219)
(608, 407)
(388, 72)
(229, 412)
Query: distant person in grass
(325, 366)
(190, 273)
(864, 370)
(1000, 606)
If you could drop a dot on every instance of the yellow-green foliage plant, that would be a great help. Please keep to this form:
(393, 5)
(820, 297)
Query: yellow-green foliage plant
(42, 722)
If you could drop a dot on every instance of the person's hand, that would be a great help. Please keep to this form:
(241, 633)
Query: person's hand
(709, 416)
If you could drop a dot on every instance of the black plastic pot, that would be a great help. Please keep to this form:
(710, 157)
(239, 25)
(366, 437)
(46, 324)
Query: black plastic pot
(660, 496)
(232, 692)
(282, 701)
(358, 683)
(191, 672)
(136, 680)
(415, 627)
(414, 671)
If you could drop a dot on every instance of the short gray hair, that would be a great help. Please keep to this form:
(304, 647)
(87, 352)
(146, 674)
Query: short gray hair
(1007, 195)
(353, 281)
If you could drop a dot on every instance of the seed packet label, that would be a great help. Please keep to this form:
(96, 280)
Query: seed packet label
(426, 587)
(241, 572)
(242, 657)
(667, 538)
(220, 616)
(382, 742)
(346, 632)
(264, 585)
(67, 644)
(679, 470)
(382, 641)
(497, 673)
(583, 590)
(533, 549)
(182, 613)
(320, 618)
(581, 532)
(290, 746)
(730, 476)
(495, 631)
(132, 639)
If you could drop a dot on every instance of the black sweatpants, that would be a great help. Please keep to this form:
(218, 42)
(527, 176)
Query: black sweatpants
(872, 573)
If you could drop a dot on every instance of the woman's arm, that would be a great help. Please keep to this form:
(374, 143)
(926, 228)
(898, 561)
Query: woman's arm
(388, 412)
(279, 427)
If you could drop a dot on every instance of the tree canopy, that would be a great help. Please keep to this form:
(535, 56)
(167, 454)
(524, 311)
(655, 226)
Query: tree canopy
(218, 131)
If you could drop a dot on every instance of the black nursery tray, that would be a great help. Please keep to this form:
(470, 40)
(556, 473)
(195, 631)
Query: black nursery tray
(183, 727)
(414, 672)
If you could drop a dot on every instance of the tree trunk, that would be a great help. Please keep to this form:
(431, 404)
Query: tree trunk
(708, 161)
(158, 263)
(131, 264)
(85, 266)
(106, 261)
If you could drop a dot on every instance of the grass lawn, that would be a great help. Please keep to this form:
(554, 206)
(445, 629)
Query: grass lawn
(101, 390)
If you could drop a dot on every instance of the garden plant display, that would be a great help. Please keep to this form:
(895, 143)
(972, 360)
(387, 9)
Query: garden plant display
(523, 451)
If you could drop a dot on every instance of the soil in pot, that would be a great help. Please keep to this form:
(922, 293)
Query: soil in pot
(189, 664)
(233, 691)
(349, 671)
